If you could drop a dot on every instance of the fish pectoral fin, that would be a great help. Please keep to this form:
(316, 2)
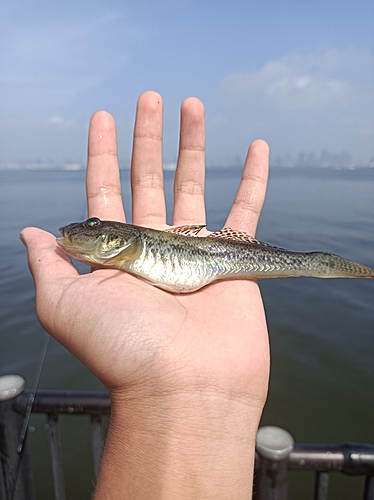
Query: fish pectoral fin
(120, 254)
(187, 230)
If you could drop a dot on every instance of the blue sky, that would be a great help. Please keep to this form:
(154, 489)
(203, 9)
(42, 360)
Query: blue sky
(299, 74)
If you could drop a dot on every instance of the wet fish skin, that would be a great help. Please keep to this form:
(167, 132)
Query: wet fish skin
(178, 261)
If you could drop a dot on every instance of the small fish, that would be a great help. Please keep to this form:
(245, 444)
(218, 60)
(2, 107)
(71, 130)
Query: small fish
(179, 261)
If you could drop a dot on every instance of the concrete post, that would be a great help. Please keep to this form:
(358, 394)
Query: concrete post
(11, 423)
(273, 445)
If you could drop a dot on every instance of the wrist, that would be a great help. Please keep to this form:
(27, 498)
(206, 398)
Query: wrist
(192, 444)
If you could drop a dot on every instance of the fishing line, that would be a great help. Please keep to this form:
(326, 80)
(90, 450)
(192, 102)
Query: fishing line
(29, 406)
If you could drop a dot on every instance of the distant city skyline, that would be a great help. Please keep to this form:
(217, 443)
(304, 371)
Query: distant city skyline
(303, 159)
(299, 75)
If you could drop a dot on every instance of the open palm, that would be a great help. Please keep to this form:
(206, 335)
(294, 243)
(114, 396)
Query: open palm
(125, 330)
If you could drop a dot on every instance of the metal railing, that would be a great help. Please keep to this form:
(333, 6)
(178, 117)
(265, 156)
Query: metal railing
(276, 453)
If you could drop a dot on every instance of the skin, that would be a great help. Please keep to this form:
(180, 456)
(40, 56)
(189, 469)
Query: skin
(187, 374)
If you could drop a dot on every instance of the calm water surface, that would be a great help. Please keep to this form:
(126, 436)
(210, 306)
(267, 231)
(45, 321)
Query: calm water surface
(321, 331)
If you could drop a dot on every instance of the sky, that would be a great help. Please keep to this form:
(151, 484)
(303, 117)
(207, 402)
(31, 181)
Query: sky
(299, 74)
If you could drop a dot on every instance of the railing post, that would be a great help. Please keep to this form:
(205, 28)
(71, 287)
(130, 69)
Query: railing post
(11, 423)
(97, 442)
(56, 456)
(273, 445)
(369, 488)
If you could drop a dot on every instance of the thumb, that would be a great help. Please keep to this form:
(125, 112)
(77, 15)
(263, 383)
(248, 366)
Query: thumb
(49, 267)
(45, 258)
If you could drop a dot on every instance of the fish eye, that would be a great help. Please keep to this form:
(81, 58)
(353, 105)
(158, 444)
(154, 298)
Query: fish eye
(93, 222)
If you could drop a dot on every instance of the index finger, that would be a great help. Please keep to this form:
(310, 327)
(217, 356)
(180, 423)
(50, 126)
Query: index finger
(103, 184)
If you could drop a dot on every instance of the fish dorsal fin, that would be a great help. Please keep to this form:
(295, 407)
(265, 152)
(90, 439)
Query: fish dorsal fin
(188, 230)
(231, 234)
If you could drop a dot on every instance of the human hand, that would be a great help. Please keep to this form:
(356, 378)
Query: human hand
(166, 359)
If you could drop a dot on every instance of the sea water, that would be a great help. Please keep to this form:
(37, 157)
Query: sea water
(321, 331)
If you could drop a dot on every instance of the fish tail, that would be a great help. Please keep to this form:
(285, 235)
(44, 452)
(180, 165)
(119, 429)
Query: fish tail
(339, 267)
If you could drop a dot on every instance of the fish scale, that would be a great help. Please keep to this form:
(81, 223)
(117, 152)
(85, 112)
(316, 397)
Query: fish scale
(179, 260)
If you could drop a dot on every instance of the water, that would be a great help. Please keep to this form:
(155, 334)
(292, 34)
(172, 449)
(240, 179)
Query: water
(321, 331)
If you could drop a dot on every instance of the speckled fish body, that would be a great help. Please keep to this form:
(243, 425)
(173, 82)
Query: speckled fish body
(179, 261)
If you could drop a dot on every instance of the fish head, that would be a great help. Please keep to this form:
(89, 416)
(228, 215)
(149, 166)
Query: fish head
(98, 242)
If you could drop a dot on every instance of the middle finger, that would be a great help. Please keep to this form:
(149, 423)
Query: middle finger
(147, 181)
(189, 206)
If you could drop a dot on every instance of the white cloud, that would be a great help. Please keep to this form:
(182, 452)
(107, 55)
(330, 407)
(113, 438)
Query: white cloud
(295, 82)
(302, 102)
(58, 120)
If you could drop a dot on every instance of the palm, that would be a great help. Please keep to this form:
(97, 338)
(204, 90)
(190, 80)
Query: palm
(135, 329)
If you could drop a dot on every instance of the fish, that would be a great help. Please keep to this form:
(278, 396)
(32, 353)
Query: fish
(178, 260)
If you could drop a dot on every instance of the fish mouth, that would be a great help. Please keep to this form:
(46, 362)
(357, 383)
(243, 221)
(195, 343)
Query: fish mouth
(66, 243)
(84, 251)
(74, 246)
(68, 246)
(63, 240)
(64, 236)
(72, 250)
